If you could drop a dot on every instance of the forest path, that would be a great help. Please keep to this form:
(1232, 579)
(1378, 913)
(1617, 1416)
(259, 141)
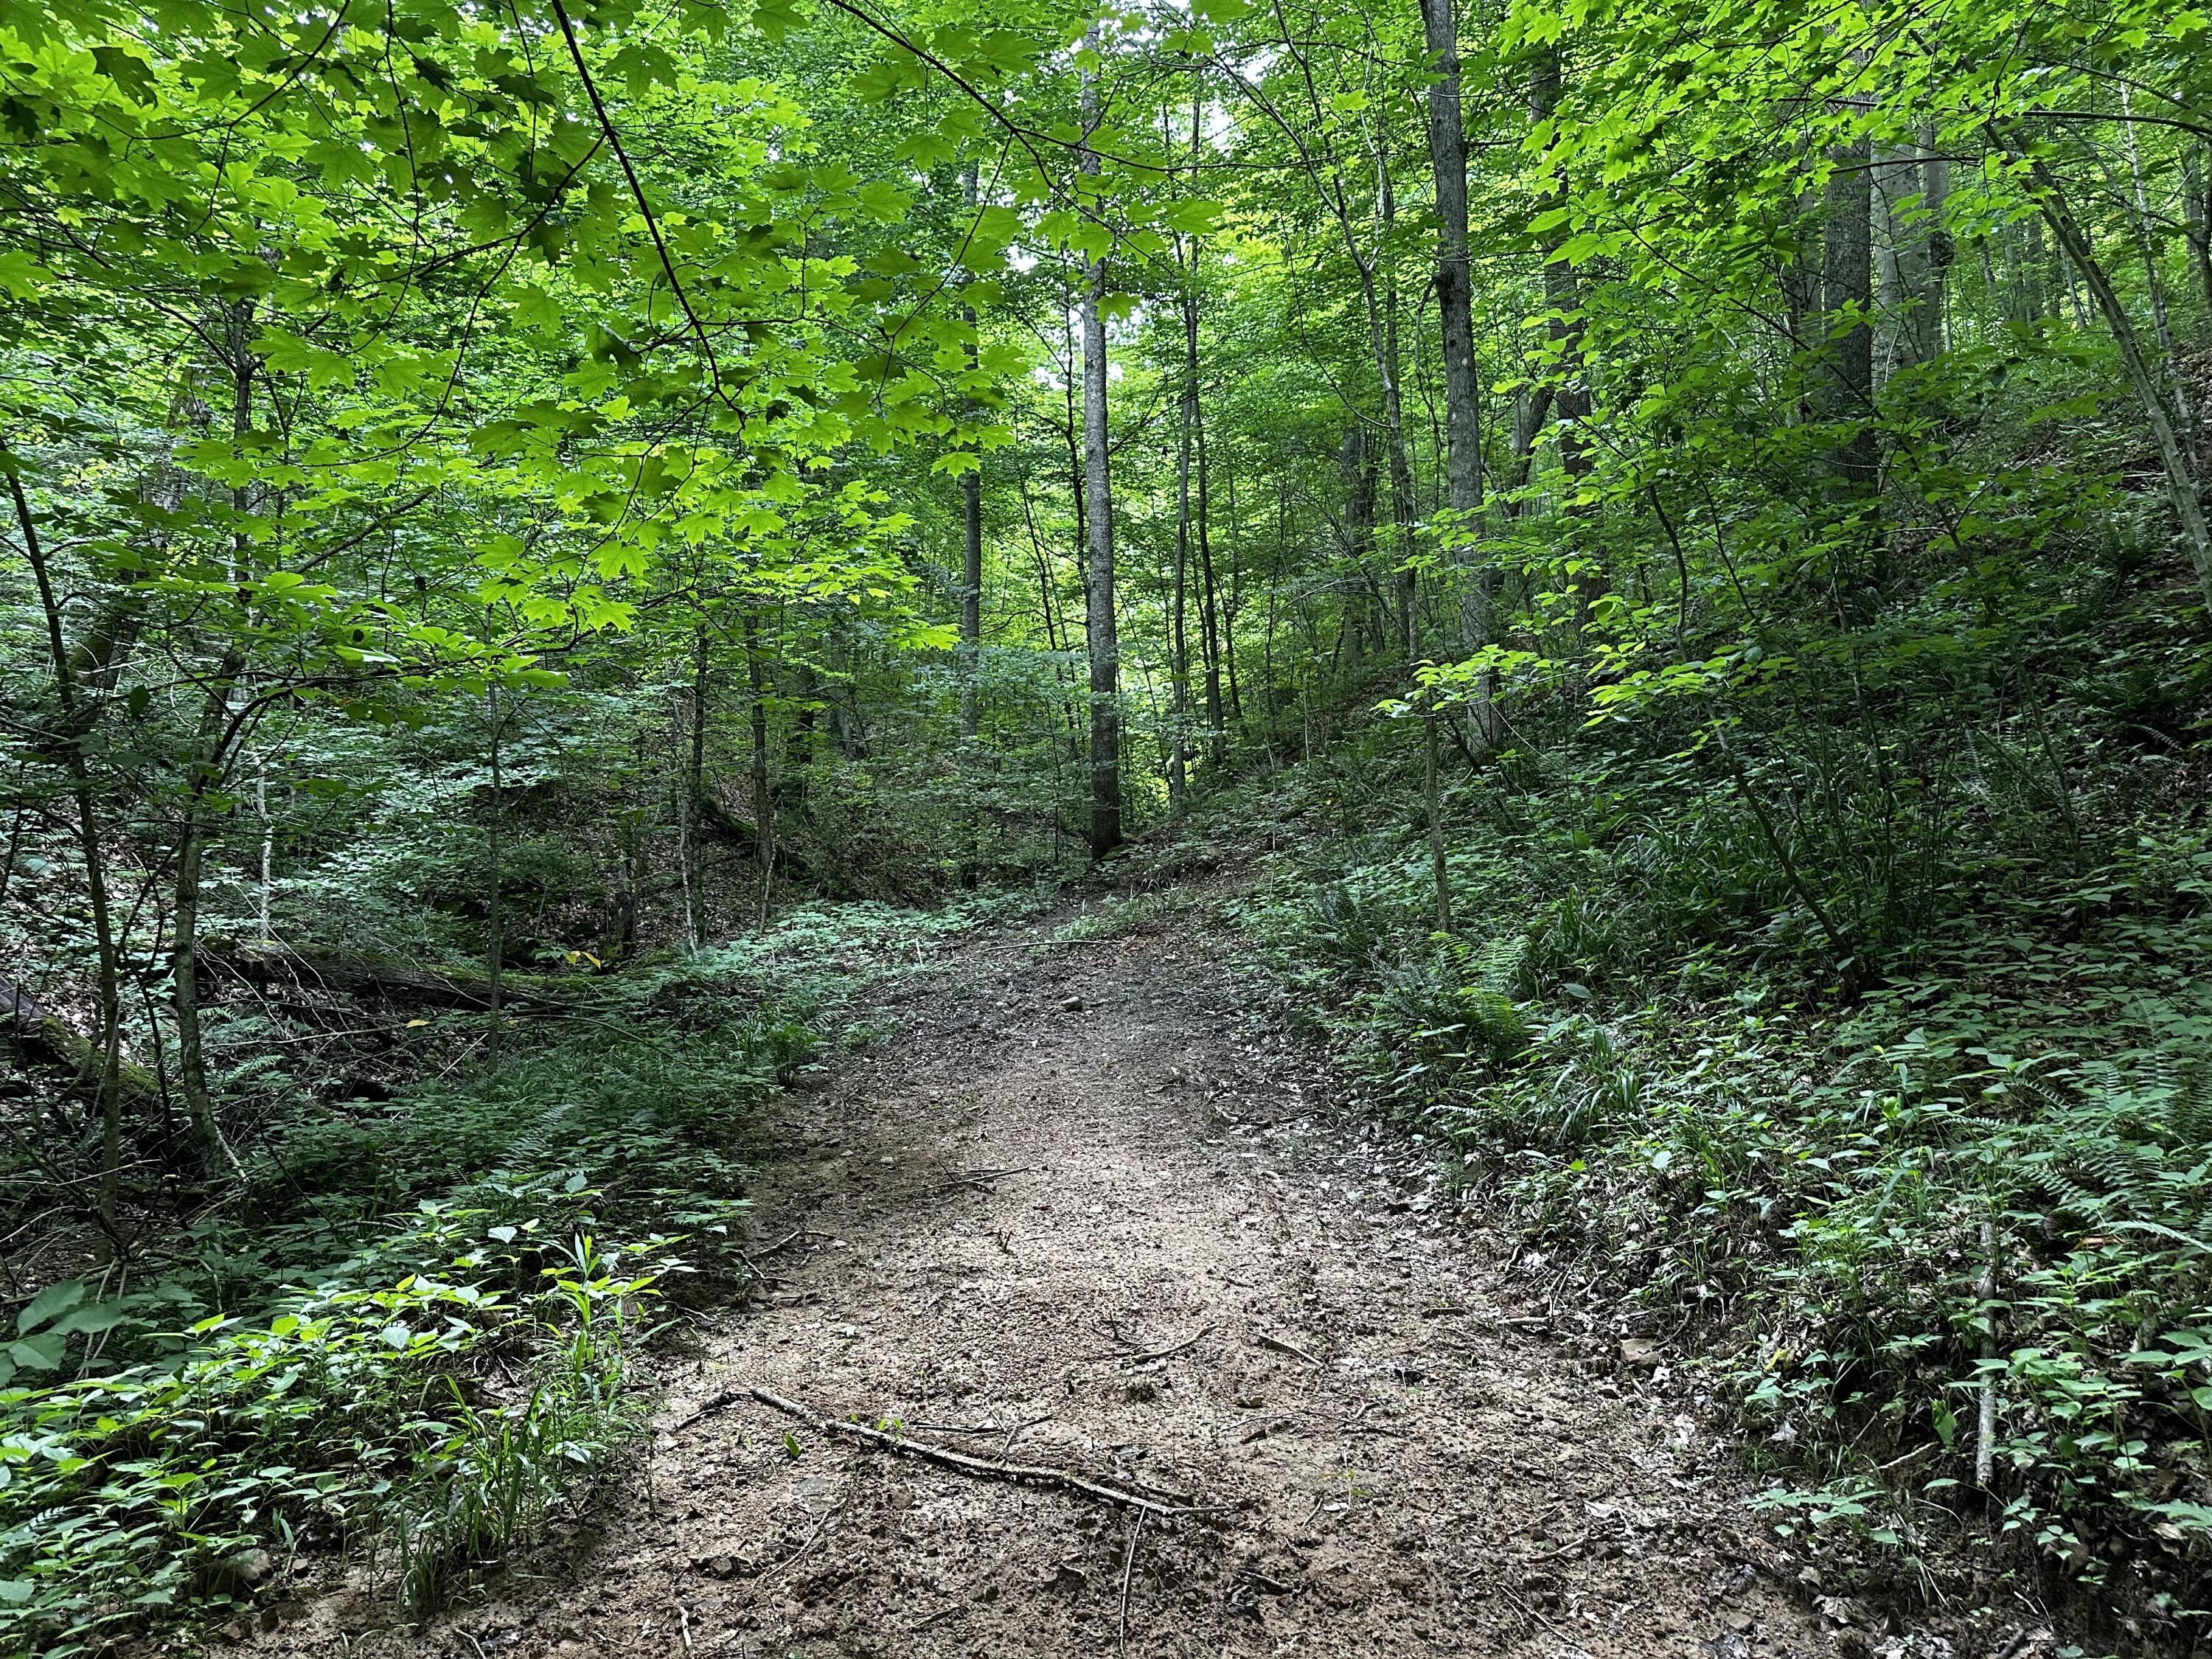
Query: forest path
(1414, 1474)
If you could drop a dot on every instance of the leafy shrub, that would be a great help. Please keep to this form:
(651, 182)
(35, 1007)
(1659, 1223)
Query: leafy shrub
(1984, 1172)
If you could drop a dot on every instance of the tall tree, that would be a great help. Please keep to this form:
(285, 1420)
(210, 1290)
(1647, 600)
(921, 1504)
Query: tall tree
(1100, 625)
(1455, 289)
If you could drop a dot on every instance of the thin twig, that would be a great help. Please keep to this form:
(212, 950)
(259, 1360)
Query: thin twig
(751, 1258)
(1290, 1348)
(1530, 1611)
(1020, 1430)
(1191, 1341)
(727, 1397)
(975, 1178)
(946, 1457)
(1128, 1571)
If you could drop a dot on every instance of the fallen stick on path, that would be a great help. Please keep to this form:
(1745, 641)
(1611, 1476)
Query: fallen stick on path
(728, 1397)
(979, 1178)
(1128, 1571)
(1290, 1348)
(944, 1456)
(752, 1258)
(1190, 1342)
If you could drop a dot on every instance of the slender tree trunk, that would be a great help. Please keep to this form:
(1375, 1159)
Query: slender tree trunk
(1456, 315)
(2148, 237)
(1847, 397)
(1178, 628)
(107, 959)
(267, 845)
(1404, 510)
(209, 758)
(763, 798)
(971, 591)
(1231, 597)
(1356, 462)
(1569, 388)
(1055, 633)
(1383, 318)
(1209, 629)
(1100, 625)
(2173, 455)
(971, 565)
(495, 908)
(694, 798)
(2197, 223)
(686, 805)
(1935, 175)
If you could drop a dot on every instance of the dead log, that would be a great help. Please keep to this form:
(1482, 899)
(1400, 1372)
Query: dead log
(393, 979)
(43, 1040)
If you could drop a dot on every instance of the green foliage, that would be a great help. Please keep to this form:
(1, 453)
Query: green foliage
(1642, 1047)
(338, 1360)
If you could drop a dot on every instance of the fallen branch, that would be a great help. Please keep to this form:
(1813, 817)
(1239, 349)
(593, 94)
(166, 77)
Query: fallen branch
(727, 1397)
(1020, 1430)
(1190, 1342)
(978, 1178)
(1290, 1348)
(451, 985)
(43, 1038)
(1128, 1571)
(946, 1458)
(1530, 1612)
(785, 1243)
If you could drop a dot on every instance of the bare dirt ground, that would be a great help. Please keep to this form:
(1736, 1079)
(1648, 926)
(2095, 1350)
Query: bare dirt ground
(1066, 1157)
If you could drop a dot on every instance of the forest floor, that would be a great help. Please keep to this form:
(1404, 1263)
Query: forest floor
(1064, 1156)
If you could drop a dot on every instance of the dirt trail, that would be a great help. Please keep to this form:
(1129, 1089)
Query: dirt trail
(1412, 1472)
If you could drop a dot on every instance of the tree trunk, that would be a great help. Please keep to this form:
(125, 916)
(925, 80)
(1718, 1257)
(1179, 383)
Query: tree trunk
(2179, 465)
(1178, 629)
(2148, 235)
(1356, 462)
(2196, 222)
(1570, 390)
(209, 758)
(1845, 401)
(1404, 511)
(1433, 804)
(971, 564)
(1456, 315)
(1100, 623)
(1209, 629)
(1847, 307)
(496, 908)
(1935, 173)
(1906, 296)
(764, 799)
(109, 1037)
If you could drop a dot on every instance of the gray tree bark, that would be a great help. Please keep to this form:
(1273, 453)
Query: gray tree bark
(1101, 630)
(1456, 315)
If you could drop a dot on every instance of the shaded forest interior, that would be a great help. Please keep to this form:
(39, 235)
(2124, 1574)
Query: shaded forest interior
(547, 550)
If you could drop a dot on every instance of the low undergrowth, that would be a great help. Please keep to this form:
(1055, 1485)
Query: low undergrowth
(1936, 1225)
(411, 1327)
